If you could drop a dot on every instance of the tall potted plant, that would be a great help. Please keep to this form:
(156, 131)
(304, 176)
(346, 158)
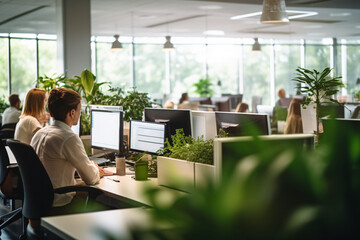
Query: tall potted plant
(319, 87)
(203, 87)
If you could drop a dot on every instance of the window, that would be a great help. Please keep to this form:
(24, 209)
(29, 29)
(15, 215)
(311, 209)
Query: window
(114, 66)
(223, 61)
(4, 69)
(257, 74)
(317, 57)
(287, 59)
(23, 65)
(353, 68)
(149, 68)
(47, 57)
(186, 68)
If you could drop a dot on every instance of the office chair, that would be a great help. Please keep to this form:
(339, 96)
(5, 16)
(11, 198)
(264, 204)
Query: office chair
(7, 133)
(38, 190)
(9, 177)
(9, 126)
(356, 113)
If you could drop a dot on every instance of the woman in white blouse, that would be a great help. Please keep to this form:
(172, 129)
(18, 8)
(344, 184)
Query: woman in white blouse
(33, 115)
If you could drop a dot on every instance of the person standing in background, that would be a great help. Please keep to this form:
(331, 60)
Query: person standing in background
(12, 113)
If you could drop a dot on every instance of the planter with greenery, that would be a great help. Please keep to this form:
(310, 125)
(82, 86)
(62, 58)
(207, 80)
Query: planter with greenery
(319, 87)
(3, 104)
(203, 87)
(186, 160)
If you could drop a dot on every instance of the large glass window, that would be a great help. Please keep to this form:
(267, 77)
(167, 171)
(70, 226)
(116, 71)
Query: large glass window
(47, 57)
(150, 68)
(114, 66)
(257, 74)
(4, 69)
(353, 67)
(223, 68)
(23, 65)
(317, 57)
(287, 59)
(187, 67)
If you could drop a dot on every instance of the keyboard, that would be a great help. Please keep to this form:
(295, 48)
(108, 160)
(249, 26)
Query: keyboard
(100, 161)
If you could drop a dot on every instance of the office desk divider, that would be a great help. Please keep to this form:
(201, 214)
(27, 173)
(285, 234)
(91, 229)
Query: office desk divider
(183, 175)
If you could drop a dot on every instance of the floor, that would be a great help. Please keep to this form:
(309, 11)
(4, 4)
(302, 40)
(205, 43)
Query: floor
(14, 230)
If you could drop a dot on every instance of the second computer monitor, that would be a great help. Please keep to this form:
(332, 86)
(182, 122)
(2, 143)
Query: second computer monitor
(146, 136)
(107, 128)
(241, 124)
(173, 118)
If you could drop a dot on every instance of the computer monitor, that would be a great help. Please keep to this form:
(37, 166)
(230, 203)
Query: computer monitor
(201, 100)
(342, 123)
(146, 136)
(235, 99)
(239, 124)
(173, 118)
(228, 152)
(107, 127)
(221, 103)
(204, 124)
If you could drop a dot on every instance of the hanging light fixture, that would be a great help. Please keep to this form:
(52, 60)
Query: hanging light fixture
(274, 12)
(168, 46)
(256, 47)
(116, 45)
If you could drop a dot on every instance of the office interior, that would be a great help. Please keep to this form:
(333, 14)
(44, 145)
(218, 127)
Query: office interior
(212, 39)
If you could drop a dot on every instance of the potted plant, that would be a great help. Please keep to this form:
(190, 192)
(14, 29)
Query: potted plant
(319, 87)
(203, 87)
(185, 160)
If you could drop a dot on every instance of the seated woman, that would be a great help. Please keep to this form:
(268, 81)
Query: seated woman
(169, 104)
(33, 115)
(242, 107)
(294, 121)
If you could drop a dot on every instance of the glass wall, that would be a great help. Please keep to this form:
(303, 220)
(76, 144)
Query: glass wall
(114, 66)
(353, 68)
(257, 74)
(4, 69)
(223, 65)
(23, 65)
(287, 59)
(47, 61)
(186, 68)
(149, 71)
(317, 57)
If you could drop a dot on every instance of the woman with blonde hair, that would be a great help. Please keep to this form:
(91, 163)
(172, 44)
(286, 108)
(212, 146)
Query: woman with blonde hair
(294, 121)
(242, 107)
(33, 115)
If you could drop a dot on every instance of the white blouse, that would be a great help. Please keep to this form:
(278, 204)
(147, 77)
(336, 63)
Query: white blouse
(25, 128)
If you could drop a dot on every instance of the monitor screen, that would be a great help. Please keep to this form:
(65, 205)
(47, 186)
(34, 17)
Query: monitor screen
(239, 124)
(221, 103)
(235, 99)
(173, 118)
(146, 136)
(107, 128)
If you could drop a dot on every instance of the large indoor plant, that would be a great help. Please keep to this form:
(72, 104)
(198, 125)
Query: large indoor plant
(319, 88)
(203, 87)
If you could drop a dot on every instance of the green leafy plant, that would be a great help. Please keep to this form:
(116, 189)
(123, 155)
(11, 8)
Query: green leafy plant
(189, 149)
(319, 87)
(134, 104)
(48, 83)
(3, 104)
(203, 87)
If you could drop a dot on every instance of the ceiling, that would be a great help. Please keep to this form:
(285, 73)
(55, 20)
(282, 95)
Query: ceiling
(188, 18)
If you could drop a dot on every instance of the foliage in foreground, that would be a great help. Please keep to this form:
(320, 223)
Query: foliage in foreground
(287, 194)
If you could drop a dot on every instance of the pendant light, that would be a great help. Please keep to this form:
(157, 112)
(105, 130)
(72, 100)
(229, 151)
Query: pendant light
(274, 11)
(168, 46)
(116, 45)
(256, 47)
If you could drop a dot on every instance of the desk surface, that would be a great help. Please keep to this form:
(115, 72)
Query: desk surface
(117, 222)
(91, 226)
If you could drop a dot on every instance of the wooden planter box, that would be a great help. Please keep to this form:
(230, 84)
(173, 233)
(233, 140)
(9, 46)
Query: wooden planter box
(181, 174)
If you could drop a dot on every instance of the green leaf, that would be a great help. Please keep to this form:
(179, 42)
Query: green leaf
(87, 81)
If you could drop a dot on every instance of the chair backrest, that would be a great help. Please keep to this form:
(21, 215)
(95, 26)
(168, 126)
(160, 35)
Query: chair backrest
(255, 100)
(38, 190)
(285, 102)
(7, 133)
(4, 163)
(355, 114)
(9, 126)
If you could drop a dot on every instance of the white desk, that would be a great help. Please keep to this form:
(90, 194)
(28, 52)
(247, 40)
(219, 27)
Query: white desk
(87, 225)
(90, 226)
